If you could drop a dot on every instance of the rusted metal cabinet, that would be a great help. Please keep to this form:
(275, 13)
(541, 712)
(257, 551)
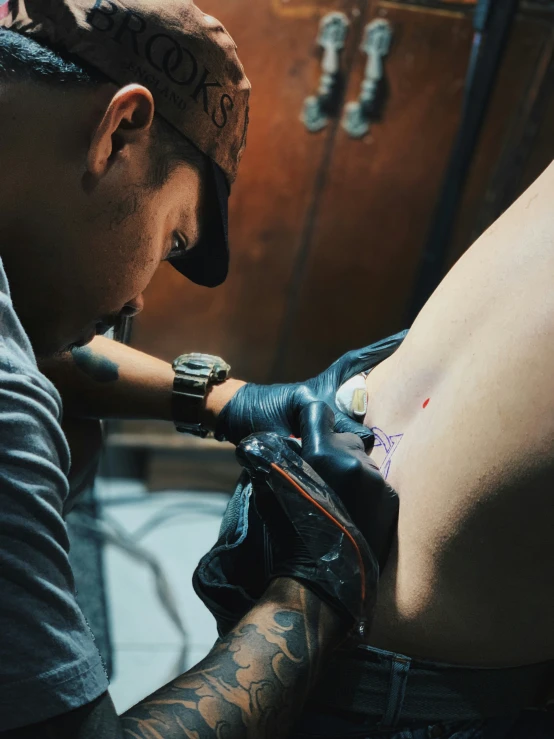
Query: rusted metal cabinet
(328, 219)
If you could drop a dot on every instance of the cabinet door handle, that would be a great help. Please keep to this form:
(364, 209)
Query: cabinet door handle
(319, 108)
(359, 115)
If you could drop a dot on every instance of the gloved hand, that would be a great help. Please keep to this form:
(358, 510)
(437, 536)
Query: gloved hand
(341, 461)
(310, 535)
(277, 408)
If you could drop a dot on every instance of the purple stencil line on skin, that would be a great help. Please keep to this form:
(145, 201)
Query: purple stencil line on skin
(390, 445)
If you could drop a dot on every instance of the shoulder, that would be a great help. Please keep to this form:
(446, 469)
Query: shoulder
(30, 405)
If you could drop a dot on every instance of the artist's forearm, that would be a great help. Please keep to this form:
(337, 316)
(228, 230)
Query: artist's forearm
(254, 682)
(110, 380)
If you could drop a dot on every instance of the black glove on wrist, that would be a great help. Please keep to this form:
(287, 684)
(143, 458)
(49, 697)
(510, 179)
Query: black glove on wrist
(311, 537)
(277, 408)
(341, 461)
(292, 536)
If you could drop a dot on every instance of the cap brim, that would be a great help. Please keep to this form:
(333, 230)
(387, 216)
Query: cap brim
(208, 263)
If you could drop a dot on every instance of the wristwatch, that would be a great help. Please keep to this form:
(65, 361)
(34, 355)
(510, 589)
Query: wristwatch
(194, 375)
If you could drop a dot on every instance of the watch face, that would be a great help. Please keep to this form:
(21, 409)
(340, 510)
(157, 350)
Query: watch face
(192, 360)
(195, 361)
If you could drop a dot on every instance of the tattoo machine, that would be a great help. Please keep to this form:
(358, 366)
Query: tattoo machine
(297, 528)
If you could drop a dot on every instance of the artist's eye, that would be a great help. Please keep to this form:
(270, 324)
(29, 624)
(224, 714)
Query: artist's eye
(179, 247)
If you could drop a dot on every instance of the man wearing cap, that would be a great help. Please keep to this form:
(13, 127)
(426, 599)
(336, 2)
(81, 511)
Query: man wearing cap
(122, 126)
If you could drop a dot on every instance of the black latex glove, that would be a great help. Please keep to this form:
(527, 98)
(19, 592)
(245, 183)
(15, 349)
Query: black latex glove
(310, 538)
(341, 461)
(272, 530)
(277, 408)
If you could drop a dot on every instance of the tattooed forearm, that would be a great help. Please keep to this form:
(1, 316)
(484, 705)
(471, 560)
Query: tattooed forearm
(253, 683)
(96, 366)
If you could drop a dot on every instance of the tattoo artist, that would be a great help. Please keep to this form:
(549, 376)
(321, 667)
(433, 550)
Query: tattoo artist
(122, 127)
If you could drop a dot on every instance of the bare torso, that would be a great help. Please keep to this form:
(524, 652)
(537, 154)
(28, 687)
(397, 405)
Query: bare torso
(465, 408)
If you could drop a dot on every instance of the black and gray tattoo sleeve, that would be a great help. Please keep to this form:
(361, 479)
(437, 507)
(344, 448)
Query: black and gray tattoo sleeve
(252, 684)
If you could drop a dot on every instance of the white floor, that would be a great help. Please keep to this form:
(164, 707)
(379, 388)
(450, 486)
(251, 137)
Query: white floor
(176, 529)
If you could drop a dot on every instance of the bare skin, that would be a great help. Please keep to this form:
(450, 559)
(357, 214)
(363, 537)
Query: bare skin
(468, 403)
(107, 380)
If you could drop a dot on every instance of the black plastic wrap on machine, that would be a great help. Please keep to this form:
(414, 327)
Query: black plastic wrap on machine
(345, 569)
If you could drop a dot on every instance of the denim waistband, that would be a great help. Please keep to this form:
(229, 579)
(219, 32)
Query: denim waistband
(397, 690)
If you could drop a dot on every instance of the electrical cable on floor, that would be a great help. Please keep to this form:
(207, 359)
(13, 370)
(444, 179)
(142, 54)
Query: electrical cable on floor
(111, 532)
(172, 512)
(213, 507)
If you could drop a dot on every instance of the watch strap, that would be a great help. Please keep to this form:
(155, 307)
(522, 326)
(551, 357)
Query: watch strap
(194, 375)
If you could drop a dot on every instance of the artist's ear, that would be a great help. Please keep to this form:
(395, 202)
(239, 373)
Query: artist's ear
(127, 122)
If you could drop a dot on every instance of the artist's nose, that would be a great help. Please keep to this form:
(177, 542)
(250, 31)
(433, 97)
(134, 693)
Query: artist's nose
(133, 307)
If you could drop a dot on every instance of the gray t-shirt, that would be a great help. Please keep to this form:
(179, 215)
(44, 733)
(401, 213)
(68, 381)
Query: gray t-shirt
(49, 663)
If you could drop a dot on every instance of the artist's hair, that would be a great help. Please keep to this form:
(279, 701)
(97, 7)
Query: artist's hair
(22, 58)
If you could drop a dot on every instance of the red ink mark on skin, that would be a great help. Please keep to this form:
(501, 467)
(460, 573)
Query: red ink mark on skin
(426, 403)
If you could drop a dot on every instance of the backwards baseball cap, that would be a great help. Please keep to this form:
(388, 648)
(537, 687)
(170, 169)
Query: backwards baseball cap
(189, 63)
